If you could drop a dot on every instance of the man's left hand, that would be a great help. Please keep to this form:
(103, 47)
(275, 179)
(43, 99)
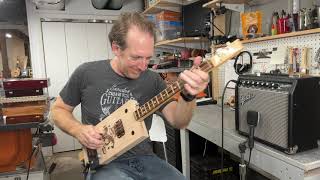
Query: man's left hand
(195, 79)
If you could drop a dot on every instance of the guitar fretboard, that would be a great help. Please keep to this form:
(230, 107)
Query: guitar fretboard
(165, 95)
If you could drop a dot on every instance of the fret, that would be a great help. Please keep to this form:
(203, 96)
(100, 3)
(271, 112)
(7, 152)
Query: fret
(151, 101)
(178, 85)
(148, 106)
(172, 88)
(161, 94)
(138, 113)
(167, 92)
(164, 95)
(154, 101)
(156, 97)
(159, 98)
(142, 108)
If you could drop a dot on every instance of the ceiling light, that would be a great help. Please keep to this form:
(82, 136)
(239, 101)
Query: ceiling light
(7, 34)
(1, 1)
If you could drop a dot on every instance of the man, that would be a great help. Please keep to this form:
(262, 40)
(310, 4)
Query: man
(103, 86)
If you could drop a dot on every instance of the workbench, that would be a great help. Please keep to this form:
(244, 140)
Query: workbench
(206, 122)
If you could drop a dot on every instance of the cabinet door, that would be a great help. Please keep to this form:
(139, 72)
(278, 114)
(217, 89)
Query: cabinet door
(97, 41)
(57, 69)
(110, 53)
(77, 52)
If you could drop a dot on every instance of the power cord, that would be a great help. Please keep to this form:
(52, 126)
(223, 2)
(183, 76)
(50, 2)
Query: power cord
(222, 127)
(34, 149)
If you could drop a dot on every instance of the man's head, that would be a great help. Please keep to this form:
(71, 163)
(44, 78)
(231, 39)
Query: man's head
(132, 40)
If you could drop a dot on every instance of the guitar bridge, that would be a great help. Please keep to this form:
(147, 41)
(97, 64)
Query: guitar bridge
(119, 129)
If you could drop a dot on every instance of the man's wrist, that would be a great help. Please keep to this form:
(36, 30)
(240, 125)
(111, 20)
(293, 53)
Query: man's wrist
(187, 97)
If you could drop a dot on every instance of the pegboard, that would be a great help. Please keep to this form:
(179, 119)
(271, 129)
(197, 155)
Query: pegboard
(310, 41)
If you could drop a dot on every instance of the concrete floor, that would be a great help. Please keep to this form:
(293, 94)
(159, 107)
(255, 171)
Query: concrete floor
(67, 167)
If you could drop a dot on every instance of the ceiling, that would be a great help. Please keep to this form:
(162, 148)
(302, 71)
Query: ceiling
(13, 12)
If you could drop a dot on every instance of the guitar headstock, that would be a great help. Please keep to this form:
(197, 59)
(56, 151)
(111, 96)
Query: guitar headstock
(223, 54)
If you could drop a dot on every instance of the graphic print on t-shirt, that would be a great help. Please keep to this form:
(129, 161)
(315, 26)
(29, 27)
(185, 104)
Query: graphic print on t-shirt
(113, 98)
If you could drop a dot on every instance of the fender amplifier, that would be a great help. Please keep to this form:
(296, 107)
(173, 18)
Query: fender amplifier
(288, 107)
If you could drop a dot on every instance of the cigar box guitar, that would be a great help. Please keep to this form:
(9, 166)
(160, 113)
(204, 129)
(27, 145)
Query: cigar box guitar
(125, 128)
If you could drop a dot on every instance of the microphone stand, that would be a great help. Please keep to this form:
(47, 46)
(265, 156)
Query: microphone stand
(242, 165)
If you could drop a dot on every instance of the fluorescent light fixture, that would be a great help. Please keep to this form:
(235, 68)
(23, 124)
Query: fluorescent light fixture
(7, 34)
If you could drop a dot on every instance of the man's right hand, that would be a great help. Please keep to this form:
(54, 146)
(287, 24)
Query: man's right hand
(89, 136)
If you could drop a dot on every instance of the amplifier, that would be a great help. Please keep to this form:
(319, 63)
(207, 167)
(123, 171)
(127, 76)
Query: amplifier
(288, 107)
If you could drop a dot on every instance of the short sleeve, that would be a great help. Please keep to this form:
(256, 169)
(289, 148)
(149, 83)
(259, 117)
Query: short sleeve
(71, 92)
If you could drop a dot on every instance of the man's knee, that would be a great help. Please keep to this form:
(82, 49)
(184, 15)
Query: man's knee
(110, 173)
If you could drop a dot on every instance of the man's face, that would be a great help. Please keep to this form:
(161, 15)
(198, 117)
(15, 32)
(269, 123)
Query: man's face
(135, 58)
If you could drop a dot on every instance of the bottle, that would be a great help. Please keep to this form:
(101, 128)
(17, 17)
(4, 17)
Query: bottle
(274, 27)
(301, 19)
(281, 23)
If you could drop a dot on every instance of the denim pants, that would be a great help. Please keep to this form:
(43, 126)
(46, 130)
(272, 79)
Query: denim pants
(142, 167)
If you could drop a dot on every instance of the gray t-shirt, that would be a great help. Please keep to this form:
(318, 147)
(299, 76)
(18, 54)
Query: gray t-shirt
(101, 91)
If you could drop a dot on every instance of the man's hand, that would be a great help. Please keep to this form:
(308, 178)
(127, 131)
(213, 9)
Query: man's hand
(89, 136)
(195, 80)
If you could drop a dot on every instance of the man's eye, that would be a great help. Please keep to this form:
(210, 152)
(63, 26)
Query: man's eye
(135, 58)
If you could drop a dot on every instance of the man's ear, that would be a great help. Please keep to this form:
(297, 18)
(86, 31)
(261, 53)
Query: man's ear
(115, 49)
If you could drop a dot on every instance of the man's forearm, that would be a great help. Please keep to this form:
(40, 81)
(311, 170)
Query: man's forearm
(65, 121)
(183, 113)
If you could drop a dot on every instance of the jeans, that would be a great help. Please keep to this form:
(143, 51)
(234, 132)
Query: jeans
(142, 167)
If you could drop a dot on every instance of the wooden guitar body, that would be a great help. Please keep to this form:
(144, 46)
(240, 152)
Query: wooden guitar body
(122, 132)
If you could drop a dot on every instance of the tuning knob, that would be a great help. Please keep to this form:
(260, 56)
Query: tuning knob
(276, 86)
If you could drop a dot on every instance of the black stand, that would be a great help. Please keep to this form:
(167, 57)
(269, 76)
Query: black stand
(242, 165)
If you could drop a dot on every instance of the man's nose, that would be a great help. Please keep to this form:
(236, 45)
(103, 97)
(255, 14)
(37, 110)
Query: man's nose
(143, 64)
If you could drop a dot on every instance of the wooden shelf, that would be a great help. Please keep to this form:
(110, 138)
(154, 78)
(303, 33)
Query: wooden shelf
(286, 35)
(182, 40)
(213, 4)
(279, 36)
(160, 5)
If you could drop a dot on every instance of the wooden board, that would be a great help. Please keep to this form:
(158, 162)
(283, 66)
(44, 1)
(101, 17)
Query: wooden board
(23, 119)
(24, 111)
(14, 84)
(23, 92)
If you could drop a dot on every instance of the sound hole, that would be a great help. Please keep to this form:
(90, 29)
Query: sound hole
(132, 132)
(126, 110)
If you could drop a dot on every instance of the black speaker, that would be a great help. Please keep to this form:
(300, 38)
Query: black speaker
(194, 19)
(288, 108)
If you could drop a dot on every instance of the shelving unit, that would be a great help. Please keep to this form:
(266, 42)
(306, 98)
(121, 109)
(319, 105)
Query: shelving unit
(181, 41)
(173, 5)
(213, 4)
(279, 36)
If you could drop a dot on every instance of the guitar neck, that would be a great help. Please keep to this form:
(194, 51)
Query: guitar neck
(220, 56)
(164, 96)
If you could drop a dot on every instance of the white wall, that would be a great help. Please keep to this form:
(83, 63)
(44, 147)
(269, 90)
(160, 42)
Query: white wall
(74, 9)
